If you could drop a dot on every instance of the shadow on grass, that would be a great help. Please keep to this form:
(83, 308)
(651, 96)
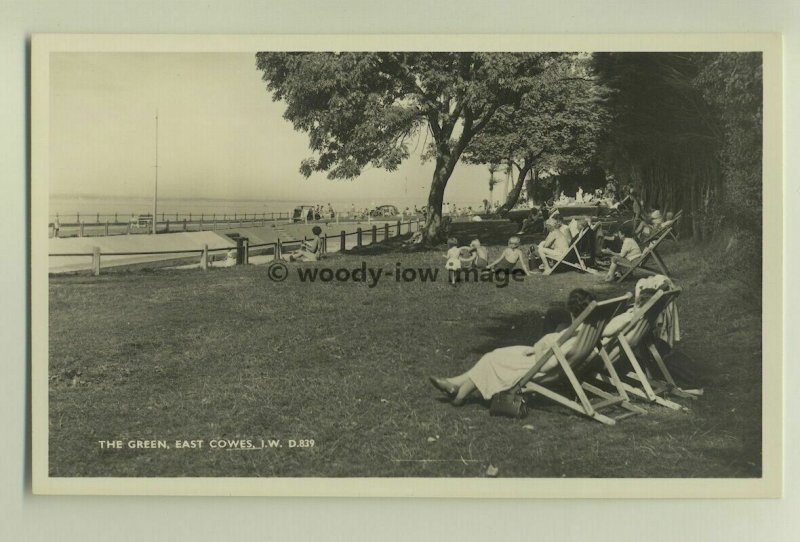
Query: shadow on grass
(520, 328)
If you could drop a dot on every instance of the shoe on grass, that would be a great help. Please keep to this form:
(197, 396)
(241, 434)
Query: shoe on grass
(443, 385)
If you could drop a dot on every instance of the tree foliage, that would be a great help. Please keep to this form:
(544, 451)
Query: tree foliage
(556, 126)
(687, 129)
(362, 109)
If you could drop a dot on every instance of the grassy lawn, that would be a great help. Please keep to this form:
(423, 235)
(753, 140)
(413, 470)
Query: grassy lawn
(177, 355)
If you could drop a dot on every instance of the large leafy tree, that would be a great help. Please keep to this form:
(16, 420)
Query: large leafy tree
(556, 126)
(363, 109)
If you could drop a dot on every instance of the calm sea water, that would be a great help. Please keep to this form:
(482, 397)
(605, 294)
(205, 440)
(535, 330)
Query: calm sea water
(69, 206)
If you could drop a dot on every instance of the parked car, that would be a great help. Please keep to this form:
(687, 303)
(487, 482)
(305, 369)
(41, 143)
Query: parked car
(384, 210)
(305, 213)
(140, 221)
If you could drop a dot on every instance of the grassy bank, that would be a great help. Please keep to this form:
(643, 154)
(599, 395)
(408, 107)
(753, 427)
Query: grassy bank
(177, 355)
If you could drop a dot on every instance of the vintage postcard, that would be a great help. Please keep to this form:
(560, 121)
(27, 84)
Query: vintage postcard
(429, 266)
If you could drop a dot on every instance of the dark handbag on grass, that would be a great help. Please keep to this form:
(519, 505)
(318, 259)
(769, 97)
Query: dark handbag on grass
(509, 404)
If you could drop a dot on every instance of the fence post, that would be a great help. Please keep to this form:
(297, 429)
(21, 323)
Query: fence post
(204, 259)
(343, 242)
(115, 218)
(246, 258)
(385, 231)
(95, 261)
(106, 228)
(398, 229)
(98, 219)
(77, 217)
(374, 234)
(278, 249)
(358, 237)
(167, 230)
(184, 224)
(80, 232)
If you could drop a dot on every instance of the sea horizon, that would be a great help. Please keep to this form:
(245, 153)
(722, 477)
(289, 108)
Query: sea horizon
(65, 205)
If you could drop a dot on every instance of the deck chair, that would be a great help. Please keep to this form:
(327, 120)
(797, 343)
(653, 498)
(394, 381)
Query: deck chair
(567, 379)
(650, 251)
(572, 257)
(637, 333)
(669, 224)
(673, 223)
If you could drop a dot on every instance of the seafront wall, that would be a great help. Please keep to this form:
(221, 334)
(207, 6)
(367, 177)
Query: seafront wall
(76, 253)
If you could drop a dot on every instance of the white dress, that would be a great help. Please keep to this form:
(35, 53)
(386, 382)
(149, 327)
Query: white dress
(501, 368)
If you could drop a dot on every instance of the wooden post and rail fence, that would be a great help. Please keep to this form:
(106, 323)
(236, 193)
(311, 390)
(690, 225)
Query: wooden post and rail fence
(242, 249)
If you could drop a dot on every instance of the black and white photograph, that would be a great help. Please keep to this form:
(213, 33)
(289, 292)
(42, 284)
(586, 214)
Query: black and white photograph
(406, 267)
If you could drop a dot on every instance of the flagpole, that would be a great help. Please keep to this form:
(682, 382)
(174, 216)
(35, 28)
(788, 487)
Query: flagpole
(155, 188)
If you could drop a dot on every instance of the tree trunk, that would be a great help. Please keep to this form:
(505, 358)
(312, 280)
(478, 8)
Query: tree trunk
(432, 231)
(513, 196)
(530, 183)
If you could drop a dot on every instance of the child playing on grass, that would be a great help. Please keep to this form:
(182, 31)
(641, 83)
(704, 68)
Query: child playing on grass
(453, 264)
(627, 255)
(510, 257)
(481, 260)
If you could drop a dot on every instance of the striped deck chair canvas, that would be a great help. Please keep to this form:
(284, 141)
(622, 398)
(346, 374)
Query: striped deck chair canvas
(635, 334)
(566, 380)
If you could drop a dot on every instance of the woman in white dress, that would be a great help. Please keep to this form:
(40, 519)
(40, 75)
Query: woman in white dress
(501, 368)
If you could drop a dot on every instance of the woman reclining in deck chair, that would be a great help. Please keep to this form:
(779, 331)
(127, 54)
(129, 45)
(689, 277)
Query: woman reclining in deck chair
(501, 368)
(616, 324)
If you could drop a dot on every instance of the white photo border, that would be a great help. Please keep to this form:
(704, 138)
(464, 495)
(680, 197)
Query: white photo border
(768, 486)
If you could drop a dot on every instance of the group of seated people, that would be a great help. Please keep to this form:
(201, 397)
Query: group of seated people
(475, 256)
(502, 368)
(622, 248)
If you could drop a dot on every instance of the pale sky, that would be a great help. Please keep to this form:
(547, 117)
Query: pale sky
(220, 135)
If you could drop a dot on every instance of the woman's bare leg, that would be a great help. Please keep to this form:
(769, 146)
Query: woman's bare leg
(463, 390)
(458, 380)
(611, 270)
